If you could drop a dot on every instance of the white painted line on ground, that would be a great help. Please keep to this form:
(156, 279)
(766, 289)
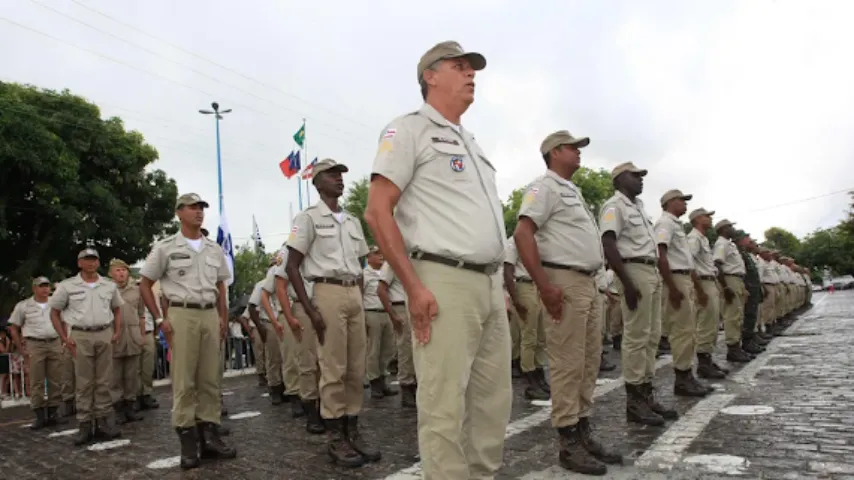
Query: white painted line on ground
(170, 462)
(226, 394)
(242, 415)
(227, 374)
(778, 367)
(527, 422)
(725, 464)
(747, 410)
(108, 445)
(26, 426)
(63, 433)
(265, 395)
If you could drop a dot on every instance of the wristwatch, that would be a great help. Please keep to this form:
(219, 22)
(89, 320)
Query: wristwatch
(158, 322)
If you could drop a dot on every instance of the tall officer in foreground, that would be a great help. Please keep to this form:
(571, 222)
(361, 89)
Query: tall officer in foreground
(192, 270)
(434, 210)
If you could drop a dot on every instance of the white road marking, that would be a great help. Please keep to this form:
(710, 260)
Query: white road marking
(226, 394)
(108, 445)
(170, 462)
(778, 367)
(242, 415)
(748, 410)
(227, 374)
(265, 395)
(605, 381)
(725, 464)
(63, 433)
(26, 426)
(541, 403)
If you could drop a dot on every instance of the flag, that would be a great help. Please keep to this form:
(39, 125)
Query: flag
(290, 165)
(256, 235)
(223, 239)
(299, 137)
(306, 173)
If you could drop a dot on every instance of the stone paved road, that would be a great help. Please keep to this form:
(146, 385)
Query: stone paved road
(788, 414)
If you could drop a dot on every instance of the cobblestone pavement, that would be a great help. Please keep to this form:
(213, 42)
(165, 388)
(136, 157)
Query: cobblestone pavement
(786, 415)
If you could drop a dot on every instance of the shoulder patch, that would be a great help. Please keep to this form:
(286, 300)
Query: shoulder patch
(389, 133)
(609, 215)
(530, 195)
(386, 145)
(294, 231)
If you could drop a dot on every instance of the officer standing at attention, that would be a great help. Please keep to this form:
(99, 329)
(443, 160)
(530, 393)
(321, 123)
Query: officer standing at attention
(145, 400)
(391, 294)
(753, 287)
(630, 247)
(379, 328)
(708, 314)
(731, 272)
(331, 242)
(192, 270)
(681, 286)
(560, 246)
(272, 333)
(30, 320)
(445, 241)
(91, 305)
(125, 381)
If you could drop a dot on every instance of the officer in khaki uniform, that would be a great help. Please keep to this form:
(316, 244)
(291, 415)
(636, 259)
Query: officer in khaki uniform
(125, 381)
(682, 290)
(145, 398)
(30, 321)
(769, 279)
(560, 246)
(393, 298)
(380, 330)
(731, 271)
(265, 317)
(630, 248)
(192, 270)
(90, 304)
(433, 198)
(327, 243)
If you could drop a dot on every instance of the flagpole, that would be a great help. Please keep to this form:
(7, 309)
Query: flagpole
(305, 155)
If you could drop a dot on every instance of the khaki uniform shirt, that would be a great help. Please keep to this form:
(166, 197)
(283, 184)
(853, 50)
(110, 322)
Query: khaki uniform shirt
(669, 232)
(331, 247)
(770, 274)
(86, 305)
(631, 225)
(133, 312)
(255, 299)
(701, 254)
(449, 204)
(187, 275)
(511, 256)
(279, 271)
(566, 228)
(33, 318)
(727, 253)
(371, 280)
(395, 288)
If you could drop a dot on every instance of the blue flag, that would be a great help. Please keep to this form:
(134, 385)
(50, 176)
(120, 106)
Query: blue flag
(223, 239)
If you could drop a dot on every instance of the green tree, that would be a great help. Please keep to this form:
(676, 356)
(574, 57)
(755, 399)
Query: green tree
(250, 266)
(355, 201)
(71, 179)
(511, 209)
(831, 248)
(783, 240)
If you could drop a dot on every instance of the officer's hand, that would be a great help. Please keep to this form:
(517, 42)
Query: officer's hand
(521, 310)
(676, 297)
(71, 346)
(552, 298)
(397, 324)
(280, 330)
(223, 331)
(423, 309)
(116, 336)
(318, 324)
(632, 296)
(262, 334)
(702, 298)
(296, 328)
(729, 295)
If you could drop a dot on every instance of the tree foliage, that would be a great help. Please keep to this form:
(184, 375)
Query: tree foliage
(355, 201)
(71, 179)
(783, 240)
(250, 266)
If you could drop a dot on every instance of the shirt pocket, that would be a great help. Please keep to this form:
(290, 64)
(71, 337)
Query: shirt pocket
(212, 266)
(180, 269)
(450, 162)
(104, 300)
(356, 238)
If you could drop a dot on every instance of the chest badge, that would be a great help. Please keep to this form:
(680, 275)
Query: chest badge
(182, 272)
(457, 164)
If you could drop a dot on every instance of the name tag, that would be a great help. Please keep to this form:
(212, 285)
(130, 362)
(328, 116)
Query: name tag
(179, 256)
(449, 141)
(322, 226)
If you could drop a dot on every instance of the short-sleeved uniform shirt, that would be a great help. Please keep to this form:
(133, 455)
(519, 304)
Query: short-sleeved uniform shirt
(371, 280)
(86, 304)
(279, 271)
(566, 228)
(187, 275)
(701, 253)
(395, 288)
(255, 299)
(769, 272)
(133, 311)
(331, 243)
(33, 318)
(511, 256)
(727, 253)
(631, 226)
(449, 203)
(669, 232)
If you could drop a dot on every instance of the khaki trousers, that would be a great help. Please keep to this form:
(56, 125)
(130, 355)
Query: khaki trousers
(69, 381)
(464, 390)
(124, 382)
(531, 328)
(768, 309)
(734, 311)
(641, 327)
(342, 355)
(708, 317)
(309, 371)
(260, 358)
(405, 365)
(614, 312)
(574, 347)
(682, 321)
(780, 301)
(93, 372)
(290, 359)
(45, 364)
(196, 366)
(272, 354)
(380, 343)
(146, 364)
(515, 334)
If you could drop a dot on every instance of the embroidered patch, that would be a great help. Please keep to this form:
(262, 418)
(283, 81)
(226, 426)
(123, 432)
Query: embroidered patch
(385, 146)
(181, 273)
(457, 164)
(293, 234)
(610, 215)
(390, 133)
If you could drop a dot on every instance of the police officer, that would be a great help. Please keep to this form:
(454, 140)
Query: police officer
(630, 247)
(330, 241)
(447, 247)
(380, 330)
(90, 304)
(272, 334)
(125, 382)
(30, 320)
(770, 280)
(145, 399)
(192, 270)
(731, 270)
(391, 294)
(561, 248)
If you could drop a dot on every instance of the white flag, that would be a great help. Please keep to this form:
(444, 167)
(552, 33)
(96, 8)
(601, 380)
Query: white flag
(223, 238)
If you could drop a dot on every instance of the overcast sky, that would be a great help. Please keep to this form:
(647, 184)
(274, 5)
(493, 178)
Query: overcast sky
(748, 105)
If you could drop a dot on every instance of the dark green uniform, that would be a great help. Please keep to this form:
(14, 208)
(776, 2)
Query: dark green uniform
(753, 284)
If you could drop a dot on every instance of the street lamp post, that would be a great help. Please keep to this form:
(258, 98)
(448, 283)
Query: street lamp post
(217, 113)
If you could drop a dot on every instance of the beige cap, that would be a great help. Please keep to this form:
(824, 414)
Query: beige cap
(117, 262)
(671, 194)
(626, 167)
(88, 252)
(562, 137)
(328, 164)
(445, 51)
(190, 199)
(723, 223)
(38, 281)
(700, 212)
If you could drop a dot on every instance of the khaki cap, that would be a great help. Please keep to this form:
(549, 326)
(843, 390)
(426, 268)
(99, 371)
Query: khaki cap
(445, 51)
(38, 281)
(723, 223)
(700, 212)
(88, 252)
(328, 164)
(627, 167)
(190, 199)
(671, 194)
(117, 262)
(562, 137)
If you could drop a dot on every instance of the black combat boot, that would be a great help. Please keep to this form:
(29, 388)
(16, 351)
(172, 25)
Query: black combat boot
(736, 354)
(351, 429)
(515, 368)
(147, 402)
(277, 394)
(534, 390)
(685, 386)
(211, 444)
(664, 345)
(666, 413)
(105, 427)
(53, 417)
(340, 449)
(262, 380)
(119, 408)
(40, 421)
(189, 447)
(84, 433)
(751, 347)
(313, 423)
(638, 409)
(593, 446)
(574, 456)
(377, 388)
(605, 365)
(222, 430)
(544, 384)
(387, 389)
(706, 368)
(407, 397)
(617, 342)
(129, 413)
(69, 408)
(296, 406)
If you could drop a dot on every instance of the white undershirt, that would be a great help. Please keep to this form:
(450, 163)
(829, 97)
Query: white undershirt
(195, 243)
(92, 285)
(42, 305)
(339, 216)
(457, 128)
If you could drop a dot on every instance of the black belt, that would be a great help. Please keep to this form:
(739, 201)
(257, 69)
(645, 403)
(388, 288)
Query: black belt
(739, 275)
(524, 280)
(580, 270)
(99, 328)
(394, 304)
(45, 340)
(681, 272)
(641, 260)
(191, 305)
(378, 310)
(485, 268)
(771, 284)
(336, 281)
